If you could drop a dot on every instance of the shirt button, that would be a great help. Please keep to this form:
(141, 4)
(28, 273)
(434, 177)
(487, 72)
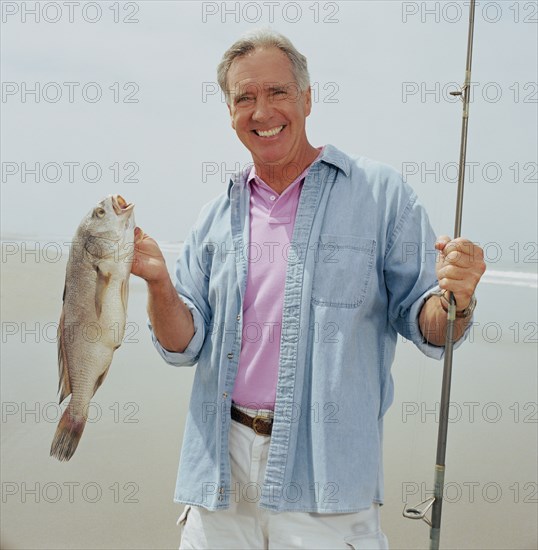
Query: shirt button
(225, 395)
(272, 198)
(238, 317)
(230, 356)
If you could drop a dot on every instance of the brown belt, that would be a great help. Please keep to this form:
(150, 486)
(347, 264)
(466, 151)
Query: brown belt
(260, 424)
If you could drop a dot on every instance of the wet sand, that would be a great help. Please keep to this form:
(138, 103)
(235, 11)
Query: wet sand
(117, 490)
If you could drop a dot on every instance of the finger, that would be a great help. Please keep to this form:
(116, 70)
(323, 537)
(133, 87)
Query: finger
(458, 259)
(455, 249)
(461, 289)
(460, 248)
(462, 245)
(471, 250)
(441, 242)
(472, 275)
(139, 235)
(465, 279)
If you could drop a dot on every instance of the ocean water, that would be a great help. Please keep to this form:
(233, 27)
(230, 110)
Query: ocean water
(116, 492)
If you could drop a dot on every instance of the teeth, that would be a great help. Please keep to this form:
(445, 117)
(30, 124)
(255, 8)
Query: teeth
(269, 133)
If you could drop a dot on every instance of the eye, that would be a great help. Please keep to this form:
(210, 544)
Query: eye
(279, 94)
(99, 212)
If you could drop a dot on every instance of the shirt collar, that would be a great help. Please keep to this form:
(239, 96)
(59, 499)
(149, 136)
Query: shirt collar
(254, 178)
(330, 155)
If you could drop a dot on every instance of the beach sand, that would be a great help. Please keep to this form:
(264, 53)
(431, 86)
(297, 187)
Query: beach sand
(117, 490)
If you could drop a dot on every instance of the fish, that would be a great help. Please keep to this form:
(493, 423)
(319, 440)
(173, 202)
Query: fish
(94, 312)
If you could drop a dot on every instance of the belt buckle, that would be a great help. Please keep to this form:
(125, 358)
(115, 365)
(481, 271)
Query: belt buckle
(255, 419)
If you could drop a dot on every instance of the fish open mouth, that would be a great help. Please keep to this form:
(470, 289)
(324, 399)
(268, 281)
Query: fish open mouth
(120, 205)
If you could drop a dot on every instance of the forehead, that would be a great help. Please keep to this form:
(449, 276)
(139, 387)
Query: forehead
(261, 67)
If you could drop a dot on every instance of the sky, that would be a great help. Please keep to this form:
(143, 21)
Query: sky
(125, 101)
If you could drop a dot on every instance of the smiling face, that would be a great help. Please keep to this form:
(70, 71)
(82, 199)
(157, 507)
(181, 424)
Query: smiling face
(268, 111)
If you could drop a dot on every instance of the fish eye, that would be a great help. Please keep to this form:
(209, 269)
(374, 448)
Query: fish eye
(99, 212)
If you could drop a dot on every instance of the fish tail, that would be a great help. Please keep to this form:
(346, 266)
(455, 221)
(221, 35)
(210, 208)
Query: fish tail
(67, 436)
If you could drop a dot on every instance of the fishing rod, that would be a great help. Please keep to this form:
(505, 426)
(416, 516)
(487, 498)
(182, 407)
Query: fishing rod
(436, 502)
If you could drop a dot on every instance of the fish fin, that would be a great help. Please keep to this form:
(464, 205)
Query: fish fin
(100, 289)
(125, 294)
(67, 436)
(100, 380)
(64, 385)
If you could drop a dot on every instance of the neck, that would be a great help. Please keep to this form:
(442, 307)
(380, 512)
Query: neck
(281, 176)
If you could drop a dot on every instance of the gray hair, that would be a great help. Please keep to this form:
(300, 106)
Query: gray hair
(263, 38)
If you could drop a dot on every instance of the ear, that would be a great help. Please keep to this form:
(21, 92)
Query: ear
(231, 115)
(308, 101)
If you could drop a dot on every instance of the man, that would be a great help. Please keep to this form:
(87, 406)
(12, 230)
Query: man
(290, 291)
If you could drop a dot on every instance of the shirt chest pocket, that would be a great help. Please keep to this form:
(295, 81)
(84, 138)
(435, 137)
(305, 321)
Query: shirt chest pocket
(342, 270)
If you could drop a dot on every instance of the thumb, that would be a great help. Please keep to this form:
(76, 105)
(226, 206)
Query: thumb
(138, 235)
(441, 242)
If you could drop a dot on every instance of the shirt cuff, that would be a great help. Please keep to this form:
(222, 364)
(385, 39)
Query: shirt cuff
(190, 355)
(430, 350)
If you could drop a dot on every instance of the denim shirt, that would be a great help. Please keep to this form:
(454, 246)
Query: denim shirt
(360, 266)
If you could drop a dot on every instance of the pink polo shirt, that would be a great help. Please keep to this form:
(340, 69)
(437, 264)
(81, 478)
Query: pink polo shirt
(272, 218)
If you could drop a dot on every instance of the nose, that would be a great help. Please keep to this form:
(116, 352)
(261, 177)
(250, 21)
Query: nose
(262, 109)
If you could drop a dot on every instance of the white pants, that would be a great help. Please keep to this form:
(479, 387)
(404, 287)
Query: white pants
(246, 526)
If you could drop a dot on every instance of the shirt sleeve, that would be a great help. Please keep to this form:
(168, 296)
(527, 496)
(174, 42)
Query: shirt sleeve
(410, 275)
(191, 353)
